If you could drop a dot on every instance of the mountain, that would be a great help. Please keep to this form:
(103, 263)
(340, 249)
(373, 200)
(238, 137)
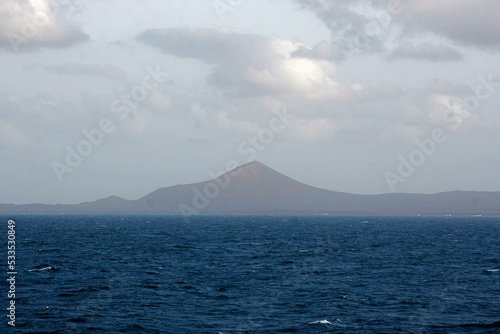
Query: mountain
(253, 187)
(257, 189)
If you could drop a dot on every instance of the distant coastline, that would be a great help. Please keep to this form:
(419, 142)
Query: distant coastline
(257, 189)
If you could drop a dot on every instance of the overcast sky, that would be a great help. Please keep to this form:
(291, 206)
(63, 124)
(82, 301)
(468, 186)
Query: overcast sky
(111, 97)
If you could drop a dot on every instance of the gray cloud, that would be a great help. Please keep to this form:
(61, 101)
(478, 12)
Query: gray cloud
(246, 64)
(427, 51)
(322, 50)
(234, 56)
(366, 25)
(353, 30)
(469, 22)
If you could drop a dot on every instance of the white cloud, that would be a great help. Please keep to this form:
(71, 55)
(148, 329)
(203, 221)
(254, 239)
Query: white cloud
(247, 64)
(450, 112)
(28, 24)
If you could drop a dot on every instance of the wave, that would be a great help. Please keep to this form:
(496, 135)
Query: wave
(48, 249)
(492, 270)
(321, 322)
(44, 267)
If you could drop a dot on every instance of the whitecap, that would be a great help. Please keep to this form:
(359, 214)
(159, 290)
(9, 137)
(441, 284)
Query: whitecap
(321, 322)
(42, 269)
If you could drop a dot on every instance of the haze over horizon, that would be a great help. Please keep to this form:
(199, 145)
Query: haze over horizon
(103, 98)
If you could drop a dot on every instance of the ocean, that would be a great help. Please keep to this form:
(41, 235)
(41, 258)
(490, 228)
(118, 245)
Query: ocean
(254, 274)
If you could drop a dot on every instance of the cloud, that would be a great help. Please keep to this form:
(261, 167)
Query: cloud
(48, 113)
(247, 64)
(26, 25)
(244, 64)
(368, 26)
(27, 121)
(450, 113)
(322, 51)
(355, 25)
(426, 51)
(439, 86)
(468, 22)
(105, 71)
(159, 101)
(403, 132)
(10, 135)
(221, 120)
(301, 77)
(312, 131)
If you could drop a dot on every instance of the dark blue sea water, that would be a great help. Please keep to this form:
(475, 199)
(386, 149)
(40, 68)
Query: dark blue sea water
(252, 274)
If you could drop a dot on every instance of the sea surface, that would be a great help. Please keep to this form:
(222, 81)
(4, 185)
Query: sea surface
(255, 274)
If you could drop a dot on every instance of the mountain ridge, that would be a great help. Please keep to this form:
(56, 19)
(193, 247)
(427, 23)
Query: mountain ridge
(254, 188)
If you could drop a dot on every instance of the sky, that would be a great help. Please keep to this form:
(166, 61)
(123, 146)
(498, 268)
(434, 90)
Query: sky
(109, 97)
